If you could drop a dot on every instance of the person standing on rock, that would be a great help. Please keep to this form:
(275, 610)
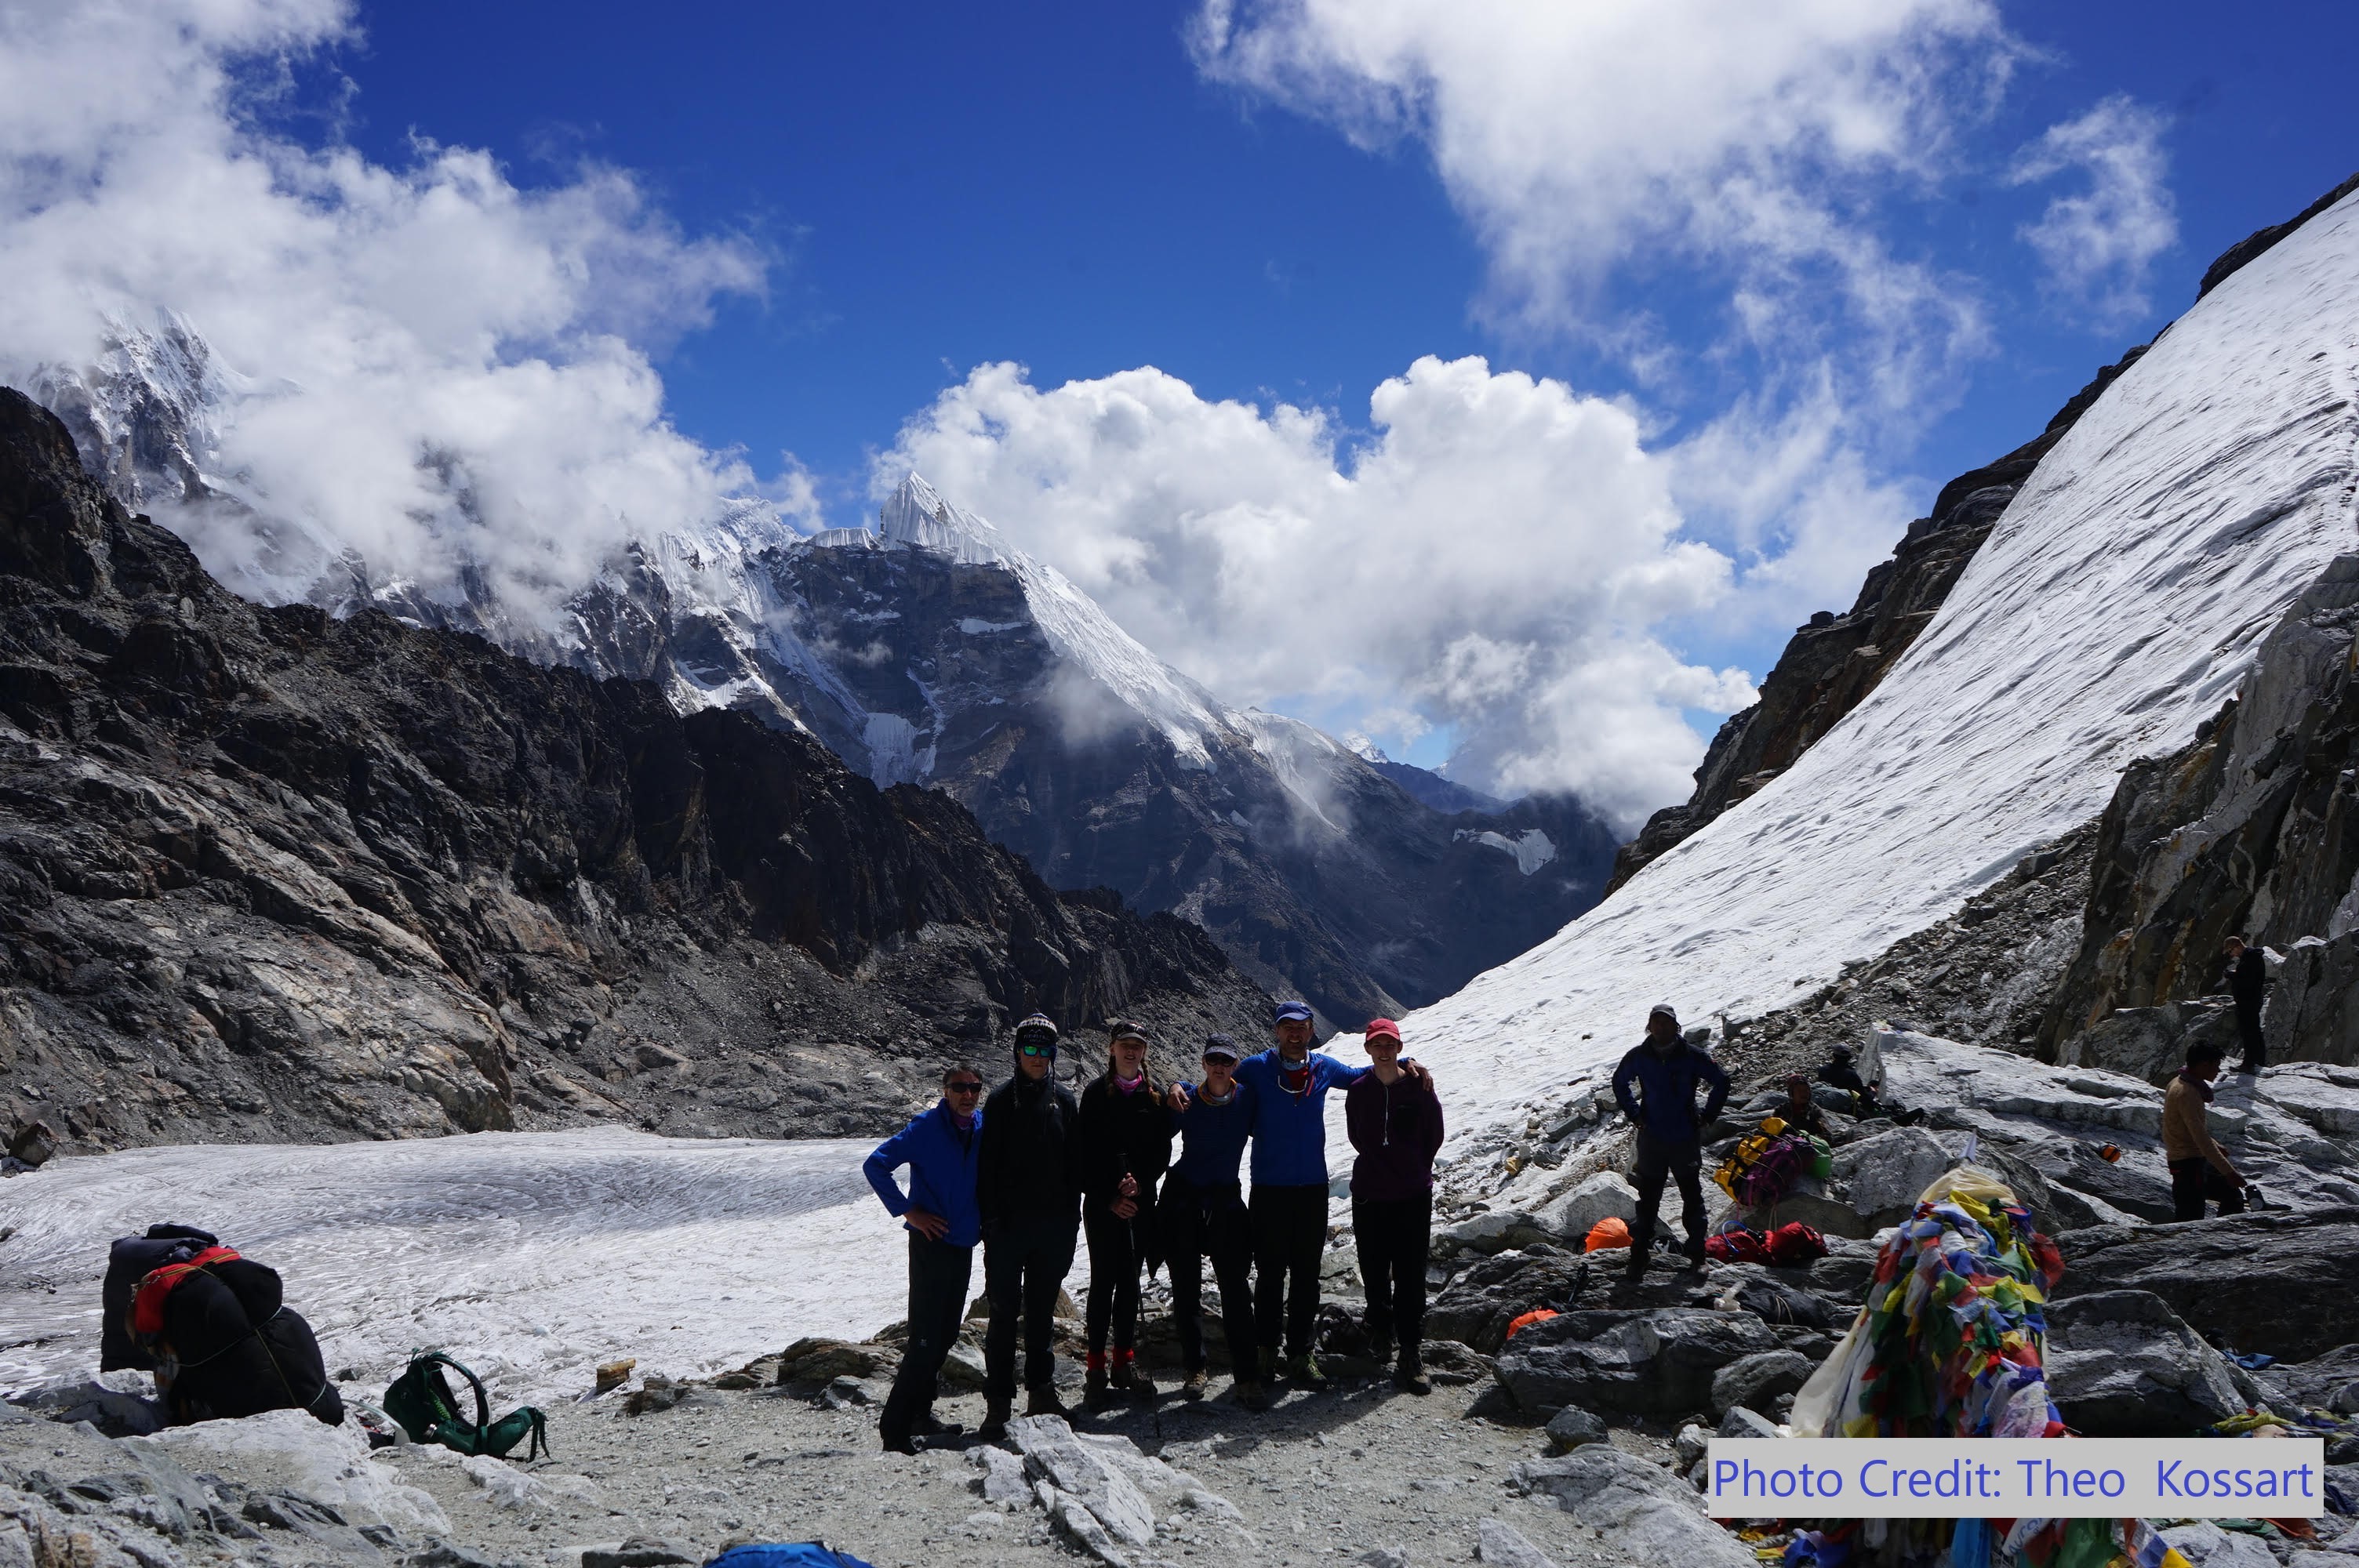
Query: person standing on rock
(1655, 1087)
(2200, 1170)
(1203, 1214)
(2247, 980)
(1395, 1121)
(1289, 1084)
(1123, 1137)
(940, 1147)
(1028, 1191)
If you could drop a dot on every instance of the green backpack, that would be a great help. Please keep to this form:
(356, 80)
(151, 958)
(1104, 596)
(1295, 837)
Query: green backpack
(420, 1401)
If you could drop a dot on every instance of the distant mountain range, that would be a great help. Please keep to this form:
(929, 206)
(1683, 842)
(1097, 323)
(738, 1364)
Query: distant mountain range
(931, 651)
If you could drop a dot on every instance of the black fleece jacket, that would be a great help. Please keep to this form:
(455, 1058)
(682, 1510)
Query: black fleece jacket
(1029, 1164)
(1122, 1135)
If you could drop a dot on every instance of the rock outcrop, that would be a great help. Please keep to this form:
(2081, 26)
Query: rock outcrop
(269, 874)
(2279, 1281)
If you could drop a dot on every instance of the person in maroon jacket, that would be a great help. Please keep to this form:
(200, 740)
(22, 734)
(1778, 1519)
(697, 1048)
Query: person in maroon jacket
(1395, 1120)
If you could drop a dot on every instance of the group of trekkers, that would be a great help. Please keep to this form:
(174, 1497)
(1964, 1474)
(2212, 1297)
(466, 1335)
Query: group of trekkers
(1033, 1168)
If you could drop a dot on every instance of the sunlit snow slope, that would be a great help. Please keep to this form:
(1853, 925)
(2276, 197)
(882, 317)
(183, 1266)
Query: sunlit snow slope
(531, 1257)
(2114, 607)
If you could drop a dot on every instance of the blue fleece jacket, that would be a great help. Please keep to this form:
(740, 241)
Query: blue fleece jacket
(942, 1162)
(1289, 1129)
(1664, 1104)
(1213, 1138)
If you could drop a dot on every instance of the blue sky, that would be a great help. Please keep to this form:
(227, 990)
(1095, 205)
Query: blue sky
(833, 231)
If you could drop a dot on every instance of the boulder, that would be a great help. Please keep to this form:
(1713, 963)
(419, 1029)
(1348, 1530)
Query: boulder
(1079, 1473)
(1875, 1182)
(1483, 1299)
(811, 1360)
(2276, 1281)
(2122, 1364)
(640, 1552)
(1570, 1215)
(1657, 1363)
(1503, 1545)
(1742, 1423)
(2206, 1545)
(1644, 1512)
(1571, 1427)
(1758, 1381)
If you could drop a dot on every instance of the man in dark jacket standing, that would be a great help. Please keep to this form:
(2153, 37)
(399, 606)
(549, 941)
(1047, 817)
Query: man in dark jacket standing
(940, 1214)
(1028, 1191)
(1395, 1121)
(1655, 1087)
(2248, 978)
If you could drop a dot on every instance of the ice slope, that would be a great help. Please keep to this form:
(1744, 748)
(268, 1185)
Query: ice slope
(531, 1256)
(2116, 605)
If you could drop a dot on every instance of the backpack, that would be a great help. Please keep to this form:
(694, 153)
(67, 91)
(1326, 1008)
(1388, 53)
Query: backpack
(1741, 1159)
(778, 1554)
(1772, 1173)
(1793, 1244)
(1738, 1246)
(420, 1402)
(129, 1261)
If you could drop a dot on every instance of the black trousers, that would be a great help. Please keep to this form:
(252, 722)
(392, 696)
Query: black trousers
(1290, 1232)
(938, 1274)
(1393, 1235)
(1118, 1251)
(2195, 1182)
(2248, 1036)
(1025, 1261)
(1195, 1225)
(1682, 1162)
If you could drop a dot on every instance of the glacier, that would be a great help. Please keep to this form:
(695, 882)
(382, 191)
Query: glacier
(2117, 604)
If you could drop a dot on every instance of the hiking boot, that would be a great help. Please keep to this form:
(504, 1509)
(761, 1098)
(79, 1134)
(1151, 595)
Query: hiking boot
(1380, 1348)
(1636, 1270)
(1303, 1372)
(1251, 1393)
(932, 1425)
(1129, 1379)
(1095, 1395)
(899, 1442)
(994, 1421)
(1192, 1385)
(1410, 1379)
(1043, 1400)
(1693, 1252)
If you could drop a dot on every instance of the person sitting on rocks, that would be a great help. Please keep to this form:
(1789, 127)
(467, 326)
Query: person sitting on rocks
(2200, 1170)
(1028, 1189)
(1395, 1125)
(1123, 1142)
(2247, 979)
(938, 1211)
(1838, 1073)
(1655, 1088)
(1800, 1113)
(1203, 1214)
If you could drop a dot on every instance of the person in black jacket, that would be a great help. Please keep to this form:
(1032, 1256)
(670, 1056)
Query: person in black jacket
(1028, 1189)
(1124, 1141)
(2247, 979)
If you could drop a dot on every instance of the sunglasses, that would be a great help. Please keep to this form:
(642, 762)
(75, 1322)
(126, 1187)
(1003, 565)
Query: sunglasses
(965, 1088)
(1031, 1048)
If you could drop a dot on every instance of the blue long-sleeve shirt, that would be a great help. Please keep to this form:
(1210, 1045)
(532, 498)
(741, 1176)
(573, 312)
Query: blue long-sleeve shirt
(1289, 1129)
(1663, 1104)
(942, 1162)
(1212, 1138)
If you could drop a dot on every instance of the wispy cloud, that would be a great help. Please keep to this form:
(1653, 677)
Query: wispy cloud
(2098, 246)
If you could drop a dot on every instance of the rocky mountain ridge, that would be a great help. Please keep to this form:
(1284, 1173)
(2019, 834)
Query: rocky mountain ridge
(266, 874)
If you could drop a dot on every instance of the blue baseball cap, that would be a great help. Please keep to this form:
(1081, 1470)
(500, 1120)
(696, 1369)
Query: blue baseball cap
(1287, 1010)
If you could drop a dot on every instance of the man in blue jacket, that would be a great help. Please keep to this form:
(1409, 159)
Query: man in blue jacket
(1655, 1087)
(941, 1148)
(1288, 1085)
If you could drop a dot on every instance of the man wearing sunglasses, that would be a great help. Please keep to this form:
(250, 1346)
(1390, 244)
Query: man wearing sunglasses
(1028, 1188)
(942, 1147)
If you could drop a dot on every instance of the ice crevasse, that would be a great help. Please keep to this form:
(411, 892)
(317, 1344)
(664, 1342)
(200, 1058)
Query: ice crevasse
(2114, 606)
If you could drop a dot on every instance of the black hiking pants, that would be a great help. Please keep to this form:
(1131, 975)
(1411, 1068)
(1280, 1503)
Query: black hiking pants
(938, 1274)
(1024, 1261)
(1118, 1252)
(2248, 1037)
(2194, 1183)
(1682, 1162)
(1195, 1225)
(1393, 1235)
(1289, 1231)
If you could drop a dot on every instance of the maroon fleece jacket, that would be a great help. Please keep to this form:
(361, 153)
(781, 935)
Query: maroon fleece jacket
(1396, 1128)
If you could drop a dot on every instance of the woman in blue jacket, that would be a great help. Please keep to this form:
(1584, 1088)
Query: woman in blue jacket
(940, 1147)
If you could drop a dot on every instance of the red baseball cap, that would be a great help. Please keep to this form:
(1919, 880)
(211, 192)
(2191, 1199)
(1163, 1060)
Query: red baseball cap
(1381, 1026)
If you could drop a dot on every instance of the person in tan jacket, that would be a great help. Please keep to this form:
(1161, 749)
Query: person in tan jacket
(2200, 1170)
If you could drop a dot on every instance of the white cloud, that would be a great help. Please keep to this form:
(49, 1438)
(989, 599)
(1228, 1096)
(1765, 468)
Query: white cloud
(1494, 558)
(447, 367)
(2098, 246)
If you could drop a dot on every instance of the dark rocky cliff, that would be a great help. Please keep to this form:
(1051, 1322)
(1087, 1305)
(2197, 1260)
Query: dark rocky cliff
(265, 873)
